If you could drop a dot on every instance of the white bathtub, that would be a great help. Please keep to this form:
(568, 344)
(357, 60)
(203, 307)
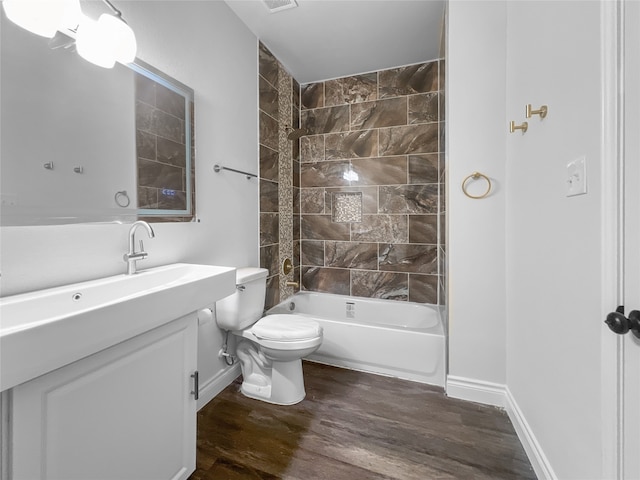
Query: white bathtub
(401, 339)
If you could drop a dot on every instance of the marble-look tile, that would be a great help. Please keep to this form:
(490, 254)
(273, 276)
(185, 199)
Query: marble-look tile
(272, 297)
(355, 89)
(351, 255)
(424, 168)
(408, 258)
(420, 78)
(269, 258)
(324, 174)
(325, 120)
(268, 98)
(380, 113)
(386, 285)
(423, 108)
(369, 198)
(168, 126)
(360, 143)
(328, 280)
(268, 196)
(295, 96)
(380, 171)
(269, 231)
(170, 102)
(296, 174)
(146, 145)
(423, 288)
(312, 148)
(268, 163)
(297, 226)
(312, 95)
(159, 175)
(422, 138)
(423, 229)
(296, 253)
(409, 199)
(312, 200)
(268, 65)
(442, 71)
(145, 89)
(320, 227)
(442, 116)
(171, 152)
(268, 131)
(312, 252)
(147, 197)
(296, 201)
(381, 228)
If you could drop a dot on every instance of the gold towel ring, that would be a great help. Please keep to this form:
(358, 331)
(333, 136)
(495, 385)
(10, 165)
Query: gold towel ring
(476, 176)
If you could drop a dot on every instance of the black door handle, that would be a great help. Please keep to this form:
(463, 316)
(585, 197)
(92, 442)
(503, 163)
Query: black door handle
(620, 324)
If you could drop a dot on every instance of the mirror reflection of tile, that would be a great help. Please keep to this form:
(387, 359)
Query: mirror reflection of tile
(347, 207)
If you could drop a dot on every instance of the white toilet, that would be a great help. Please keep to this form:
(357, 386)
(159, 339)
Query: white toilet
(270, 349)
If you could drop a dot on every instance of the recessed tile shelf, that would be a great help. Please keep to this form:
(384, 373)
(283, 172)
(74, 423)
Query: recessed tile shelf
(346, 207)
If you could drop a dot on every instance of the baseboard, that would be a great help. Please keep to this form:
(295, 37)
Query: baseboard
(498, 395)
(216, 384)
(478, 391)
(538, 459)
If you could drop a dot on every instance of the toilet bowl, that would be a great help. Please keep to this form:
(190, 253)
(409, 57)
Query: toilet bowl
(270, 349)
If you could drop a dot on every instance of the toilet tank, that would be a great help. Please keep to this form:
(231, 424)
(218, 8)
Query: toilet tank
(244, 307)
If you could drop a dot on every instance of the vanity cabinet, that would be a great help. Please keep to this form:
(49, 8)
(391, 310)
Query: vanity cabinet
(127, 412)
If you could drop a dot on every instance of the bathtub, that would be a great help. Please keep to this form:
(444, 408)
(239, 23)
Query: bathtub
(400, 339)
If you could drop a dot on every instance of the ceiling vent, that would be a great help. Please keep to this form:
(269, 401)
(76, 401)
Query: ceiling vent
(278, 5)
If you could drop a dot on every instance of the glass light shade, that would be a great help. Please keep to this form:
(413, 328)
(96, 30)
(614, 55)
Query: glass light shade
(94, 43)
(43, 18)
(122, 38)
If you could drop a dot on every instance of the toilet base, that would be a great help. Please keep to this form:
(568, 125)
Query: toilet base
(283, 385)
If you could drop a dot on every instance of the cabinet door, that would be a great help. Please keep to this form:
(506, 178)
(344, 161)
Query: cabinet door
(127, 412)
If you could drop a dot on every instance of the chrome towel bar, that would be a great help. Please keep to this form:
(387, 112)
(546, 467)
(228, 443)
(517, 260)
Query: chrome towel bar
(217, 168)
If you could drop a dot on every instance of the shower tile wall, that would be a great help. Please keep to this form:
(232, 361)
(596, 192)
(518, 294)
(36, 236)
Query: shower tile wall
(279, 110)
(382, 135)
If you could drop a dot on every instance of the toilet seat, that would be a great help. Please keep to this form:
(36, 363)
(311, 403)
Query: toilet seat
(286, 328)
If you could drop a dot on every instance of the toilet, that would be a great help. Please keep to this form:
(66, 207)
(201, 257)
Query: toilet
(270, 349)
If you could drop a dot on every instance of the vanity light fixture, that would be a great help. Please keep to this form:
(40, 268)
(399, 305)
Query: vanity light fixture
(102, 42)
(43, 18)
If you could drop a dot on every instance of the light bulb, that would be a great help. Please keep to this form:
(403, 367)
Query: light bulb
(94, 43)
(121, 37)
(41, 17)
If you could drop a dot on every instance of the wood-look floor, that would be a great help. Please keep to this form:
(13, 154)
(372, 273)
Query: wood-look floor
(356, 426)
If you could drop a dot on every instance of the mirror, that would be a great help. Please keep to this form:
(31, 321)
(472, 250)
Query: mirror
(80, 143)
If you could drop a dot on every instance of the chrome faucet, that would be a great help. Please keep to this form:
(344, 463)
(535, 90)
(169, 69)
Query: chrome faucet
(132, 256)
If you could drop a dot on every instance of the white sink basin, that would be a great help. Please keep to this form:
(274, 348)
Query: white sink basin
(44, 330)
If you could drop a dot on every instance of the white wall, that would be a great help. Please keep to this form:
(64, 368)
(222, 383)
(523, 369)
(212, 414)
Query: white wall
(553, 242)
(525, 265)
(476, 242)
(205, 46)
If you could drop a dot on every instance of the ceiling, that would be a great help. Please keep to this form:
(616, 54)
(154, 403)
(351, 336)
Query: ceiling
(324, 39)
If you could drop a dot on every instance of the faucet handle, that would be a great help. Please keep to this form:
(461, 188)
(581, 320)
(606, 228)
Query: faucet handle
(141, 246)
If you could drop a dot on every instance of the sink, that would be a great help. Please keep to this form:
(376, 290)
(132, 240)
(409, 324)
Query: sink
(47, 329)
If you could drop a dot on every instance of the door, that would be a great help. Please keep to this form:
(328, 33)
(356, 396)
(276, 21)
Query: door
(631, 343)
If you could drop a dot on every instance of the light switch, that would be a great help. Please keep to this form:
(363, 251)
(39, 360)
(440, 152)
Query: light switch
(577, 177)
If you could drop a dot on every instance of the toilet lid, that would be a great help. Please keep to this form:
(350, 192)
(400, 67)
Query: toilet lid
(286, 327)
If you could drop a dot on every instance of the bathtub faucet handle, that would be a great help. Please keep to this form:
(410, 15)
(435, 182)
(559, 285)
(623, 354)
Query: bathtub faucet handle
(293, 284)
